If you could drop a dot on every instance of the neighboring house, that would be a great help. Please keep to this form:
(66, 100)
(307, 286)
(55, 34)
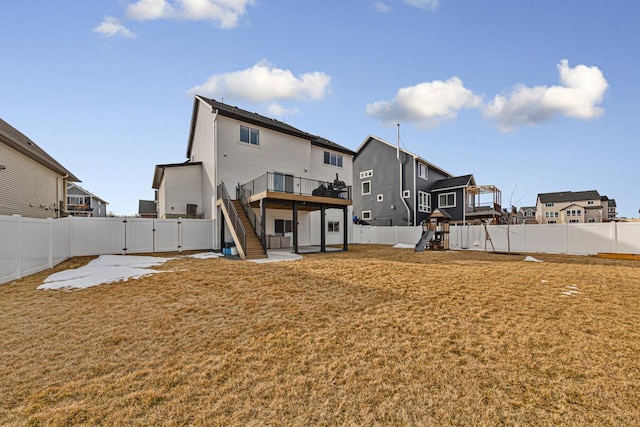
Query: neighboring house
(147, 209)
(80, 202)
(256, 176)
(396, 187)
(572, 207)
(526, 215)
(32, 183)
(609, 205)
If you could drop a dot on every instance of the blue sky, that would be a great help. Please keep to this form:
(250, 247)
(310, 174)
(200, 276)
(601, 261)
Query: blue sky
(530, 96)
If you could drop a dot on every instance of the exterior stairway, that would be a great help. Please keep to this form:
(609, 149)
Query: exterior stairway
(254, 248)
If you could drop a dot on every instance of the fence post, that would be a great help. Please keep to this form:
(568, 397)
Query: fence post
(179, 234)
(50, 222)
(18, 219)
(153, 235)
(565, 230)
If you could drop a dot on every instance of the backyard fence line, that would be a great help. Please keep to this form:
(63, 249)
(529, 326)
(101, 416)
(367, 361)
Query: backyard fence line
(578, 239)
(30, 245)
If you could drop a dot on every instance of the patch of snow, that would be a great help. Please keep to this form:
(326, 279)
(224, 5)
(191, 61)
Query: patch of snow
(277, 256)
(544, 281)
(404, 246)
(104, 269)
(532, 259)
(206, 255)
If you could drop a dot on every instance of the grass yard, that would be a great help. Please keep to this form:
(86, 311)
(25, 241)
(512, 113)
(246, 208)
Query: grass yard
(374, 336)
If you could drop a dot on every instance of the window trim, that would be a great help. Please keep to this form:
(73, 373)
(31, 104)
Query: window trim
(362, 188)
(339, 160)
(366, 215)
(250, 134)
(380, 197)
(406, 194)
(333, 226)
(426, 170)
(366, 174)
(424, 207)
(446, 195)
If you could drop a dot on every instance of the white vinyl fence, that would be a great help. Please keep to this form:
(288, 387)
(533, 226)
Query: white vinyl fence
(29, 245)
(579, 239)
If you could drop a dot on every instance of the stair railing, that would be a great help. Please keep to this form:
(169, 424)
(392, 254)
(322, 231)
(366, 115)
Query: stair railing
(243, 195)
(236, 222)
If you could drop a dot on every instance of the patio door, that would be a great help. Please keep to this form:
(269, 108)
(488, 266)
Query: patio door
(282, 182)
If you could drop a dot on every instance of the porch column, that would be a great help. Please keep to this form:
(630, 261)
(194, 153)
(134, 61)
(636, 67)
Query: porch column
(263, 212)
(222, 222)
(295, 227)
(345, 231)
(323, 237)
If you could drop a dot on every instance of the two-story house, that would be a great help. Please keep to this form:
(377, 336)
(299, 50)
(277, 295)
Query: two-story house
(81, 202)
(396, 187)
(526, 215)
(32, 183)
(258, 177)
(571, 207)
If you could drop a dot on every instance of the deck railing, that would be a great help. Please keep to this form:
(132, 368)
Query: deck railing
(236, 222)
(296, 185)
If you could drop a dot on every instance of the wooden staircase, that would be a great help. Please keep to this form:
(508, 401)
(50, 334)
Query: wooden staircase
(254, 248)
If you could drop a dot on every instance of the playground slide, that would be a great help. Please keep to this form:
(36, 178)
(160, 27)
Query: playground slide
(422, 243)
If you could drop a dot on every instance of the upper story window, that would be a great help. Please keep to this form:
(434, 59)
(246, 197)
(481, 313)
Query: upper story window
(549, 204)
(333, 159)
(447, 200)
(574, 212)
(366, 188)
(424, 202)
(422, 170)
(249, 135)
(529, 213)
(590, 202)
(366, 174)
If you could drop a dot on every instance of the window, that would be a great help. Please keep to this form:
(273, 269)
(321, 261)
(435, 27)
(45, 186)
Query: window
(249, 135)
(366, 174)
(529, 213)
(573, 221)
(424, 202)
(334, 226)
(366, 214)
(406, 194)
(282, 182)
(551, 222)
(591, 220)
(366, 188)
(282, 226)
(549, 204)
(551, 214)
(380, 197)
(447, 200)
(333, 159)
(574, 212)
(590, 202)
(422, 170)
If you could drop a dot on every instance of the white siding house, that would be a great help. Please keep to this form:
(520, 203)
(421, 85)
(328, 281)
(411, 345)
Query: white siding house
(273, 167)
(32, 183)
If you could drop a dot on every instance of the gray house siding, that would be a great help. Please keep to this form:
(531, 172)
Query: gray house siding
(381, 159)
(456, 212)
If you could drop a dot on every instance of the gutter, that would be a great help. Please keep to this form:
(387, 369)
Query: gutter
(401, 176)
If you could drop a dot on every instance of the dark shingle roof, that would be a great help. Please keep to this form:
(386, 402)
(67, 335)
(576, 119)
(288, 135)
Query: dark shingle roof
(568, 196)
(21, 143)
(458, 181)
(269, 123)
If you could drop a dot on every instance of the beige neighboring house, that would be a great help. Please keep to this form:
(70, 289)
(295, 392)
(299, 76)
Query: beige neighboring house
(32, 183)
(568, 207)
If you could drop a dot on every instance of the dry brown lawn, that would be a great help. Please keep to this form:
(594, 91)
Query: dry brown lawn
(375, 336)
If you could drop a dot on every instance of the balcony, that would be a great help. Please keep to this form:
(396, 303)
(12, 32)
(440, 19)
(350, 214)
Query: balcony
(280, 188)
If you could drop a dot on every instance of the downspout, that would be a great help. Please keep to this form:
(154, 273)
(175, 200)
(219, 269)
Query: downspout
(415, 192)
(401, 177)
(64, 191)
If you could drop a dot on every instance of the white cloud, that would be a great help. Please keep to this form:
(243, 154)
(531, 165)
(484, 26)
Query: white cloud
(226, 13)
(382, 7)
(582, 89)
(263, 83)
(426, 104)
(423, 4)
(111, 27)
(276, 110)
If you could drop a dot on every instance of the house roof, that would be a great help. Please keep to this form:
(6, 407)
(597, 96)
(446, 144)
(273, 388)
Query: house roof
(21, 143)
(87, 193)
(159, 171)
(259, 120)
(146, 207)
(370, 138)
(528, 208)
(568, 196)
(456, 182)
